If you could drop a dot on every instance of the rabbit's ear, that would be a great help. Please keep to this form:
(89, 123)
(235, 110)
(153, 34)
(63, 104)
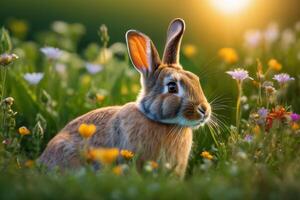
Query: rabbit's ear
(174, 36)
(142, 52)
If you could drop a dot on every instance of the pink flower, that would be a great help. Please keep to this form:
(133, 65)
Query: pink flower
(283, 78)
(295, 117)
(239, 74)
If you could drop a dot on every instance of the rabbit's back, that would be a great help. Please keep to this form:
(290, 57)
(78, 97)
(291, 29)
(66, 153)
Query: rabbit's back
(63, 150)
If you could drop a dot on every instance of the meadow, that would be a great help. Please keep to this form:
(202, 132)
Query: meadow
(250, 148)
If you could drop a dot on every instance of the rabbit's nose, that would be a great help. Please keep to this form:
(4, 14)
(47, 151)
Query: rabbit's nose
(203, 110)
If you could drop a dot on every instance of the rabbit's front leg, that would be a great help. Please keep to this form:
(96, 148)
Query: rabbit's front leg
(178, 153)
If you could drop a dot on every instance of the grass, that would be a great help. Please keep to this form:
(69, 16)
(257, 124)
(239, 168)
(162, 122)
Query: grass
(259, 159)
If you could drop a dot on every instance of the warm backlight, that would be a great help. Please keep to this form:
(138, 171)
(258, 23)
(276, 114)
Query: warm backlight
(230, 6)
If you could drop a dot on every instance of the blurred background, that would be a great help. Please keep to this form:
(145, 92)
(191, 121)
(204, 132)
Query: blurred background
(210, 24)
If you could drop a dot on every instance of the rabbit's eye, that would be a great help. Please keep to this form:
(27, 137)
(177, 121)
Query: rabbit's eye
(172, 87)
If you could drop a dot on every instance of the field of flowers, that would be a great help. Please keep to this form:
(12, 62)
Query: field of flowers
(249, 149)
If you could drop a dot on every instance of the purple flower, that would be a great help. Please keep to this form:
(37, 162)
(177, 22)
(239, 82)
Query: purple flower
(93, 68)
(239, 74)
(51, 52)
(295, 117)
(262, 112)
(283, 78)
(33, 78)
(248, 138)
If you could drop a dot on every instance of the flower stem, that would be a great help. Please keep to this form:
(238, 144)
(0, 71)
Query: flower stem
(3, 79)
(238, 106)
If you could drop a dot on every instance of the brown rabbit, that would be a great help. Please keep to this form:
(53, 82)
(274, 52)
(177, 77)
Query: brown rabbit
(158, 126)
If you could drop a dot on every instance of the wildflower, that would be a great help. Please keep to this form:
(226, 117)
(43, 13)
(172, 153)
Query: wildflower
(288, 38)
(85, 79)
(33, 78)
(248, 138)
(189, 50)
(117, 170)
(87, 130)
(104, 155)
(263, 112)
(24, 131)
(206, 155)
(239, 74)
(9, 101)
(295, 126)
(124, 90)
(256, 129)
(168, 166)
(100, 97)
(60, 68)
(18, 27)
(153, 164)
(104, 56)
(260, 74)
(29, 163)
(126, 154)
(93, 68)
(135, 88)
(51, 52)
(274, 65)
(278, 113)
(242, 155)
(295, 117)
(6, 59)
(271, 34)
(283, 78)
(229, 55)
(270, 90)
(6, 142)
(252, 38)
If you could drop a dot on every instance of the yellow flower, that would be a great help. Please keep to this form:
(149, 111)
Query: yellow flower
(295, 126)
(87, 130)
(100, 97)
(229, 55)
(18, 27)
(104, 155)
(124, 90)
(207, 155)
(29, 163)
(126, 154)
(24, 131)
(189, 50)
(256, 129)
(86, 80)
(117, 170)
(274, 65)
(153, 164)
(135, 88)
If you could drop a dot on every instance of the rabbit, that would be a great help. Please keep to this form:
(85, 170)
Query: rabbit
(158, 125)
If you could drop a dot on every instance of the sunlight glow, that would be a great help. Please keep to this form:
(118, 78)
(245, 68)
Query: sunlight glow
(230, 6)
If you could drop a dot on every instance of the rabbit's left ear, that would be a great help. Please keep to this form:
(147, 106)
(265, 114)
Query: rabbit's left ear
(142, 52)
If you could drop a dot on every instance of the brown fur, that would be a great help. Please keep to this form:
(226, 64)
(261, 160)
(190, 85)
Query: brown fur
(152, 140)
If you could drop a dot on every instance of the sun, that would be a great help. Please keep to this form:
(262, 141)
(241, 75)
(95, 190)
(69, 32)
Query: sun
(230, 6)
